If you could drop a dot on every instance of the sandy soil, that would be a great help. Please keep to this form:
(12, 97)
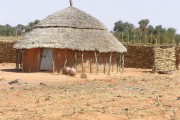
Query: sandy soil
(136, 94)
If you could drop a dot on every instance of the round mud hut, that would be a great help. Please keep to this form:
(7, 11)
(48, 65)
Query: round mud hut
(70, 38)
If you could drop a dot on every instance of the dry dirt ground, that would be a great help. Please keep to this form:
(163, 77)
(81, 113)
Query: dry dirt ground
(136, 94)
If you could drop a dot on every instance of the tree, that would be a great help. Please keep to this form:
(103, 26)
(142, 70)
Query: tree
(171, 33)
(118, 26)
(20, 29)
(143, 26)
(177, 37)
(150, 29)
(123, 30)
(36, 22)
(31, 25)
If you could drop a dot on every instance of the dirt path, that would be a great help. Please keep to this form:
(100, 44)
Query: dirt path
(136, 94)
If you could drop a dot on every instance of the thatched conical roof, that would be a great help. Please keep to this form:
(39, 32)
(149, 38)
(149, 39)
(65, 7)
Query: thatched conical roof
(73, 18)
(73, 29)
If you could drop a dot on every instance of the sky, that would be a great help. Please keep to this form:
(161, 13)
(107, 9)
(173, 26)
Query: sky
(159, 12)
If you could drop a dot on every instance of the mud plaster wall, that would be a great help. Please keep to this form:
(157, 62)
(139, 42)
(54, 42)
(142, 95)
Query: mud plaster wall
(7, 53)
(139, 57)
(178, 57)
(87, 64)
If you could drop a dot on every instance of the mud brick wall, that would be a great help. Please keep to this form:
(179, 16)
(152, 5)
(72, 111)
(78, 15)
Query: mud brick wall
(139, 57)
(178, 57)
(7, 53)
(165, 59)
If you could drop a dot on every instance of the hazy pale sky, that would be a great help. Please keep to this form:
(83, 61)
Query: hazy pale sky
(159, 12)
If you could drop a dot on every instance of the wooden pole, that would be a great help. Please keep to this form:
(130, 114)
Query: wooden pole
(54, 50)
(65, 62)
(117, 63)
(59, 56)
(16, 59)
(97, 68)
(75, 55)
(104, 60)
(105, 67)
(122, 62)
(110, 58)
(20, 59)
(91, 65)
(39, 59)
(82, 62)
(71, 3)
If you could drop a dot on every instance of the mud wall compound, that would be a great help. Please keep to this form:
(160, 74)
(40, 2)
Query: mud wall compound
(136, 57)
(177, 57)
(7, 53)
(139, 57)
(151, 57)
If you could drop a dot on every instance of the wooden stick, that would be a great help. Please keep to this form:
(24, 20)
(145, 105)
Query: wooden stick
(82, 62)
(59, 56)
(122, 62)
(39, 62)
(109, 63)
(71, 3)
(19, 59)
(22, 60)
(16, 59)
(54, 50)
(97, 68)
(91, 66)
(117, 63)
(75, 55)
(65, 62)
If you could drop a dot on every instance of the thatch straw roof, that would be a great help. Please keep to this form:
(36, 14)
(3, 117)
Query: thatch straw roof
(73, 18)
(73, 29)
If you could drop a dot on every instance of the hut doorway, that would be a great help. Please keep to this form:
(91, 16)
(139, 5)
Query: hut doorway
(46, 59)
